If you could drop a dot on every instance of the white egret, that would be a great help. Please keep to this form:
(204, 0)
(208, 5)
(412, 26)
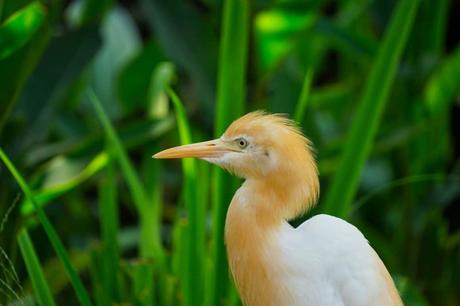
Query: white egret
(325, 261)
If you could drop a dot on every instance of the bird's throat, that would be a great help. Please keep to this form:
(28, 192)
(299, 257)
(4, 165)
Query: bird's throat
(250, 235)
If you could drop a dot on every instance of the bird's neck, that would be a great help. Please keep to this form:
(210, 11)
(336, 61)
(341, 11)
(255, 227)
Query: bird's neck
(255, 218)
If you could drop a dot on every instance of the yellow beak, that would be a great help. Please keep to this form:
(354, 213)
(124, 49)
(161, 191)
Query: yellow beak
(206, 149)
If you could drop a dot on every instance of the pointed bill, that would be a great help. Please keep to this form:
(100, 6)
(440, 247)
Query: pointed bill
(206, 149)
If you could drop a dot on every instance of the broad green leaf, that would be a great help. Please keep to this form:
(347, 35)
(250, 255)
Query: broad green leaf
(93, 11)
(15, 68)
(121, 42)
(20, 27)
(62, 64)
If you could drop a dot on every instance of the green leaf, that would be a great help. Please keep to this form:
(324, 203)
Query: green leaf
(150, 245)
(62, 64)
(134, 135)
(410, 294)
(108, 210)
(141, 274)
(50, 193)
(19, 28)
(41, 289)
(276, 31)
(50, 232)
(231, 94)
(367, 118)
(94, 11)
(196, 211)
(15, 68)
(304, 97)
(135, 79)
(189, 40)
(121, 42)
(444, 84)
(346, 39)
(162, 77)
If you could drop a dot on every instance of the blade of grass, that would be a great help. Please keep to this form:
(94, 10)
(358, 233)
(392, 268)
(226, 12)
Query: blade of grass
(109, 230)
(365, 124)
(41, 289)
(98, 271)
(141, 273)
(150, 242)
(230, 104)
(179, 242)
(58, 247)
(304, 97)
(151, 172)
(195, 210)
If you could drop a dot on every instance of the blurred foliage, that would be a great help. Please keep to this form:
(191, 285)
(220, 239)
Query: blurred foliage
(90, 89)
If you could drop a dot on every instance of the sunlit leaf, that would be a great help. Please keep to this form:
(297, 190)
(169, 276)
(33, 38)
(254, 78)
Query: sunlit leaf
(277, 31)
(20, 27)
(444, 85)
(162, 77)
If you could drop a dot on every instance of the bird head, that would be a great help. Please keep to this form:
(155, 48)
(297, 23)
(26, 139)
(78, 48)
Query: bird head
(262, 147)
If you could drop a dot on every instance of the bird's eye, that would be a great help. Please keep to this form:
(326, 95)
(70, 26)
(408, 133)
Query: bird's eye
(242, 143)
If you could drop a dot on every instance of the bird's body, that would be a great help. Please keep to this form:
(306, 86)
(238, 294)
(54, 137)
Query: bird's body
(325, 261)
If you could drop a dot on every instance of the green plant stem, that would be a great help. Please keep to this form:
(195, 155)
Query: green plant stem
(41, 289)
(195, 211)
(109, 229)
(58, 247)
